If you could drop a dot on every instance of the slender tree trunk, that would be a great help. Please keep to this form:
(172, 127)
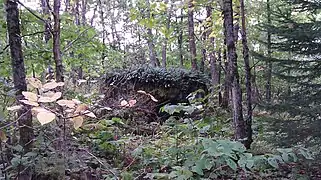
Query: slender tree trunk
(164, 48)
(232, 73)
(67, 5)
(236, 23)
(204, 55)
(103, 33)
(83, 12)
(180, 42)
(45, 11)
(19, 80)
(47, 37)
(76, 12)
(192, 45)
(152, 52)
(213, 59)
(56, 42)
(248, 77)
(93, 17)
(268, 93)
(226, 92)
(219, 73)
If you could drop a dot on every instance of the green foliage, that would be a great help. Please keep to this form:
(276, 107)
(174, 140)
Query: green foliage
(184, 153)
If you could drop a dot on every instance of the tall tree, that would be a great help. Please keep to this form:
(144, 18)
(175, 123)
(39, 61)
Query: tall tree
(296, 29)
(151, 46)
(56, 42)
(268, 92)
(168, 21)
(19, 79)
(232, 74)
(247, 77)
(191, 35)
(214, 62)
(180, 41)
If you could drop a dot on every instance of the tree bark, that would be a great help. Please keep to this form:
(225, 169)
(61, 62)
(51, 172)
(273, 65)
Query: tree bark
(83, 12)
(164, 48)
(192, 45)
(248, 77)
(204, 54)
(215, 74)
(232, 73)
(268, 93)
(56, 42)
(151, 47)
(19, 80)
(45, 11)
(180, 42)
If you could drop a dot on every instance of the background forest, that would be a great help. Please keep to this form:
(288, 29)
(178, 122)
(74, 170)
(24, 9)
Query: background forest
(148, 89)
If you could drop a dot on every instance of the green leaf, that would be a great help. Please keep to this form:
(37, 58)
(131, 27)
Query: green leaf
(249, 164)
(285, 157)
(273, 162)
(198, 170)
(231, 163)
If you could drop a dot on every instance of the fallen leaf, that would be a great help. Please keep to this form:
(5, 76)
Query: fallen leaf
(31, 103)
(89, 114)
(14, 108)
(132, 102)
(30, 96)
(67, 103)
(78, 121)
(124, 103)
(45, 117)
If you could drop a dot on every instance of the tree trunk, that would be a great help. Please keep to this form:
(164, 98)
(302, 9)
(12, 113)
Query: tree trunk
(152, 52)
(56, 42)
(226, 92)
(19, 80)
(248, 121)
(101, 14)
(164, 48)
(83, 12)
(45, 11)
(268, 93)
(180, 42)
(94, 15)
(204, 55)
(213, 59)
(67, 5)
(192, 45)
(236, 23)
(232, 73)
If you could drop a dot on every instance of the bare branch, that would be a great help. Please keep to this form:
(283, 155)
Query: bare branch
(4, 49)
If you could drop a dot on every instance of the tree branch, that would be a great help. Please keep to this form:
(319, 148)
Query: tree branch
(72, 42)
(3, 50)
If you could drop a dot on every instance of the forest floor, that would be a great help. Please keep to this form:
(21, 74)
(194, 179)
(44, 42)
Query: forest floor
(272, 133)
(280, 133)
